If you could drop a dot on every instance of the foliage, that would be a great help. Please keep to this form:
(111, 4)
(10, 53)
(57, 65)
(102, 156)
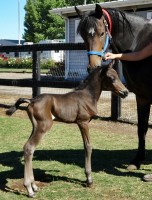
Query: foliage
(40, 24)
(47, 63)
(19, 63)
(25, 63)
(81, 2)
(3, 62)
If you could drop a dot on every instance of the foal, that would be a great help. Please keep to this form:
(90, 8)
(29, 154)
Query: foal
(78, 106)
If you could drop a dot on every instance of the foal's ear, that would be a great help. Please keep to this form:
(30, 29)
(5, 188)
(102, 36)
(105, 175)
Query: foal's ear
(111, 64)
(79, 12)
(98, 11)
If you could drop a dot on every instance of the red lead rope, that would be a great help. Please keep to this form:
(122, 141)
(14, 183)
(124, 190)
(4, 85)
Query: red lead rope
(109, 19)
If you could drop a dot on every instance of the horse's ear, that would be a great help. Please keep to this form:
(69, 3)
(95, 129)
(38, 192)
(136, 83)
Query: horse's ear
(98, 11)
(79, 12)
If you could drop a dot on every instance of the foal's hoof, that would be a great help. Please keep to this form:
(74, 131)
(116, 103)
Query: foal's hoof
(90, 184)
(31, 195)
(35, 188)
(147, 178)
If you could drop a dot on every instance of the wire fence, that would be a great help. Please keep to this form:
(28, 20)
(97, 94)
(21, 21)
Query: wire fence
(59, 75)
(9, 94)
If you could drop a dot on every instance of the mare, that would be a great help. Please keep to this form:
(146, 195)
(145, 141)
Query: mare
(127, 33)
(78, 106)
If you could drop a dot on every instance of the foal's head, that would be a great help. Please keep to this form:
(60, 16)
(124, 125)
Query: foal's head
(111, 81)
(104, 78)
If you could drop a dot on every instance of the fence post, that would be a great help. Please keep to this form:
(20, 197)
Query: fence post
(115, 100)
(36, 73)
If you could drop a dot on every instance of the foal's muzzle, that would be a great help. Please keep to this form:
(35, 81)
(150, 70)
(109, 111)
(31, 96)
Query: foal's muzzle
(123, 93)
(90, 70)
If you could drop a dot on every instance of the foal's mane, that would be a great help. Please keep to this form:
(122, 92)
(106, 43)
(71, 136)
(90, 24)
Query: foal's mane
(89, 79)
(89, 20)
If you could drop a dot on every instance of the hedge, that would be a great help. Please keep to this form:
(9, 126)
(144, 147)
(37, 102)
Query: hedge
(26, 63)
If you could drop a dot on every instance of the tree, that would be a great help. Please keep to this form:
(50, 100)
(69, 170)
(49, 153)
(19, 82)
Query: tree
(39, 23)
(81, 2)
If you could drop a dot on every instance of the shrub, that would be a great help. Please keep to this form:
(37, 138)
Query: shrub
(47, 63)
(26, 63)
(20, 63)
(3, 63)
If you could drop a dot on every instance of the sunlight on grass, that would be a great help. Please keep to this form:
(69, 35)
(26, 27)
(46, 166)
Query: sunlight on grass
(58, 163)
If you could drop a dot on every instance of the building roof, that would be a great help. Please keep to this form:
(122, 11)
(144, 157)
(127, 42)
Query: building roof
(121, 4)
(8, 42)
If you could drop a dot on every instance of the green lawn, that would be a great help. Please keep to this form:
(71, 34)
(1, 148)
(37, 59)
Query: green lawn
(59, 164)
(8, 70)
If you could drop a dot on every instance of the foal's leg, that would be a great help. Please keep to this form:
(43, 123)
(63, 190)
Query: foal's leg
(83, 126)
(39, 129)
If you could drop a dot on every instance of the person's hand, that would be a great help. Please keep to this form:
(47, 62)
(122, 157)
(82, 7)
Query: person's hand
(109, 56)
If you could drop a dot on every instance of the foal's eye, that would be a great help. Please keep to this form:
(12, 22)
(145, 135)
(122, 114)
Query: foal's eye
(102, 34)
(112, 79)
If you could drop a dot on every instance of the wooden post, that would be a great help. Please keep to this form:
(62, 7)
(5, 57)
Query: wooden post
(36, 73)
(115, 100)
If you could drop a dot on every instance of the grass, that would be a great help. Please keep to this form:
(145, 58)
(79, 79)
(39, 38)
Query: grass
(16, 70)
(59, 164)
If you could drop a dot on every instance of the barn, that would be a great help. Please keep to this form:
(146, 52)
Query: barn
(76, 61)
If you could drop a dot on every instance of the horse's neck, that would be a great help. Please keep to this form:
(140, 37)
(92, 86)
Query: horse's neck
(135, 41)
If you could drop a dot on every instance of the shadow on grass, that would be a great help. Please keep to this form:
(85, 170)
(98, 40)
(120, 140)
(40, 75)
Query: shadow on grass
(109, 161)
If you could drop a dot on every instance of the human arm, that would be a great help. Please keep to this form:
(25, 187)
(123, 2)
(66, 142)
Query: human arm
(133, 56)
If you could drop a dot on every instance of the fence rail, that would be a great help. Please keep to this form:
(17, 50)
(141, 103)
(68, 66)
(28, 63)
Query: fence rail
(43, 47)
(36, 82)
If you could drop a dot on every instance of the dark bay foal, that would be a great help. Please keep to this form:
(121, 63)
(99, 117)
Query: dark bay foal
(78, 106)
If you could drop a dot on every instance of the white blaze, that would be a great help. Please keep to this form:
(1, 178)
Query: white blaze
(92, 31)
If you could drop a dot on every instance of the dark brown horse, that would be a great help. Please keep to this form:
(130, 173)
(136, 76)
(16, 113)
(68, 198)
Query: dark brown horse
(78, 106)
(129, 33)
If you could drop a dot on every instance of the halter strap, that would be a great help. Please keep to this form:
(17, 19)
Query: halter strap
(100, 53)
(108, 36)
(109, 19)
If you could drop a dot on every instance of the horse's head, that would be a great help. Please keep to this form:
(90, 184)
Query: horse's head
(92, 28)
(98, 26)
(111, 81)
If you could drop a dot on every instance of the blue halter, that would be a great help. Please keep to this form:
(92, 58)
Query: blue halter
(100, 53)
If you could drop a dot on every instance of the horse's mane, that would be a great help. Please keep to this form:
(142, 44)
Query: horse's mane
(89, 20)
(117, 17)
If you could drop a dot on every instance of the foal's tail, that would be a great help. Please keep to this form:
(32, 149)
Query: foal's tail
(13, 108)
